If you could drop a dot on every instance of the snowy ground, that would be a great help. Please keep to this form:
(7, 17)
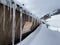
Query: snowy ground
(54, 22)
(42, 36)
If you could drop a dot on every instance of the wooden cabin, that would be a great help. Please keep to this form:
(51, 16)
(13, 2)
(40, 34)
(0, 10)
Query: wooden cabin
(6, 24)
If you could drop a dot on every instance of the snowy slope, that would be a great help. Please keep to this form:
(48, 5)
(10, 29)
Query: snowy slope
(54, 22)
(42, 36)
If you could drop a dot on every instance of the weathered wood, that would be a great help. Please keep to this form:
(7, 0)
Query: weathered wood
(6, 36)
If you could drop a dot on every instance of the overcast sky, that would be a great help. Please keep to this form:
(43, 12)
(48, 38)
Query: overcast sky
(40, 7)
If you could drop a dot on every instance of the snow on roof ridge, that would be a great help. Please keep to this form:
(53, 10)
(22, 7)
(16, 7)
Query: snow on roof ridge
(6, 2)
(25, 9)
(30, 13)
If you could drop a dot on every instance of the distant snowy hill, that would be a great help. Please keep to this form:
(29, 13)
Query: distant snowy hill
(54, 22)
(55, 12)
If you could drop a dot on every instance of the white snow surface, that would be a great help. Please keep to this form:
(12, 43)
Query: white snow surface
(42, 36)
(54, 22)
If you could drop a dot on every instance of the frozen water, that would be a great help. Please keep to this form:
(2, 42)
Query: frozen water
(20, 26)
(10, 10)
(4, 19)
(13, 24)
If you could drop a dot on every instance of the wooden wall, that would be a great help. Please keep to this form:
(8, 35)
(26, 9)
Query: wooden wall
(6, 34)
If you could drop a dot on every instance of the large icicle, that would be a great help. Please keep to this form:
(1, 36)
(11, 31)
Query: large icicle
(20, 26)
(13, 24)
(32, 20)
(4, 19)
(10, 10)
(37, 21)
(8, 2)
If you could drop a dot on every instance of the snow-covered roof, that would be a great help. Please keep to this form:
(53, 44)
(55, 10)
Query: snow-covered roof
(41, 7)
(9, 2)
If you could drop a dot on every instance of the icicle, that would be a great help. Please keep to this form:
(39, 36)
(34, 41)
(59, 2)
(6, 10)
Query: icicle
(13, 24)
(37, 22)
(4, 19)
(26, 17)
(29, 18)
(20, 26)
(8, 4)
(8, 7)
(10, 11)
(32, 20)
(7, 1)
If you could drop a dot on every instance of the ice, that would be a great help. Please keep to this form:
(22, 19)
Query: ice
(21, 26)
(32, 20)
(10, 10)
(13, 24)
(4, 19)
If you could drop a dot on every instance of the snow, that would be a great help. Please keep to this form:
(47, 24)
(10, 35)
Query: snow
(42, 36)
(54, 22)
